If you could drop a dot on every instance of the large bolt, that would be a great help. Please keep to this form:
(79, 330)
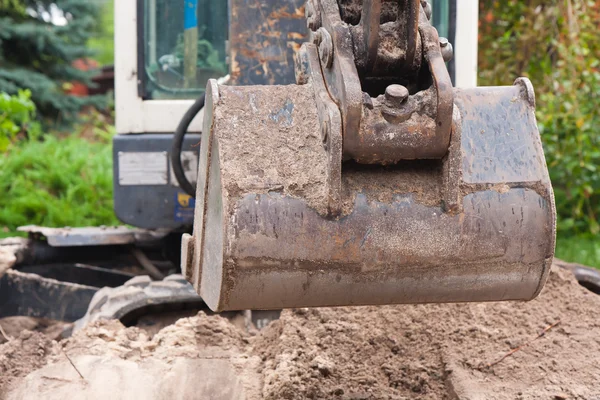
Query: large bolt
(427, 8)
(396, 95)
(446, 49)
(313, 20)
(316, 37)
(325, 44)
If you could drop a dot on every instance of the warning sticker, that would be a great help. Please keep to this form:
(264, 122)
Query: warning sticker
(184, 207)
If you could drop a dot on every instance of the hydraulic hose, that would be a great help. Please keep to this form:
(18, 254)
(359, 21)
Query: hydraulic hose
(182, 128)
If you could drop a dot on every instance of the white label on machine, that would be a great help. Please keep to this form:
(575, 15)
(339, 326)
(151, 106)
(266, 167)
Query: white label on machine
(147, 168)
(189, 161)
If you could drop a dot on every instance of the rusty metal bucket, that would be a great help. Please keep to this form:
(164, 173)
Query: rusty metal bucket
(477, 225)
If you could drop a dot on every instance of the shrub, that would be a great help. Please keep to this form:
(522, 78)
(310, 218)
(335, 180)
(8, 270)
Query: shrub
(57, 182)
(17, 115)
(555, 44)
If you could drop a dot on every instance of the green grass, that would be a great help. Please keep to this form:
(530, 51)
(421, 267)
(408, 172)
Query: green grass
(579, 249)
(56, 182)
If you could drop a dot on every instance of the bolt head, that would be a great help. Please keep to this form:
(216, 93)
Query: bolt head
(325, 44)
(446, 49)
(312, 19)
(427, 8)
(396, 94)
(316, 37)
(309, 11)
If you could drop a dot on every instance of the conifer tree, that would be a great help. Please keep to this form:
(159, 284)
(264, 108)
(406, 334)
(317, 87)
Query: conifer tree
(39, 41)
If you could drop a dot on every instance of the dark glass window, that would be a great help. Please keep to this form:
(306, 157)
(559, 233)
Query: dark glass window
(184, 45)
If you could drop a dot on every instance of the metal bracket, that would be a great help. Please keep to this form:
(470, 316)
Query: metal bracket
(309, 70)
(341, 78)
(384, 130)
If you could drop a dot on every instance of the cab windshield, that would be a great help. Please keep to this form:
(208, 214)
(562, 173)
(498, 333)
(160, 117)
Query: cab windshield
(184, 46)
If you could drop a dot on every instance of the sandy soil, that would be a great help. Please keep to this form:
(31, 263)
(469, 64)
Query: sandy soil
(391, 352)
(9, 252)
(13, 326)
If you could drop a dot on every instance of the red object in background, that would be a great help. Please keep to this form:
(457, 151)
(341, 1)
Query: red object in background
(78, 88)
(104, 81)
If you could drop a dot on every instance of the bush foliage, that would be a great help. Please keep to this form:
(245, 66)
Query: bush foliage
(57, 182)
(53, 179)
(17, 116)
(554, 43)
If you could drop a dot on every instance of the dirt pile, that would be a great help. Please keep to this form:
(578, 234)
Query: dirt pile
(392, 352)
(200, 354)
(22, 355)
(188, 337)
(439, 351)
(13, 326)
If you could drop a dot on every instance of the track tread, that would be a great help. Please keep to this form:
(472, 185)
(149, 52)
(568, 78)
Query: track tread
(138, 292)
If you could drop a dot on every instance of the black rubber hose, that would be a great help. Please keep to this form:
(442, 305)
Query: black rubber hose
(182, 128)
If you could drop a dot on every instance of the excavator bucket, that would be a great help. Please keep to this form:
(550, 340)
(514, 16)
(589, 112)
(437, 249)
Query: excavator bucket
(331, 193)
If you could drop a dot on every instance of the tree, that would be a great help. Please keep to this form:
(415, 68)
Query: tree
(39, 41)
